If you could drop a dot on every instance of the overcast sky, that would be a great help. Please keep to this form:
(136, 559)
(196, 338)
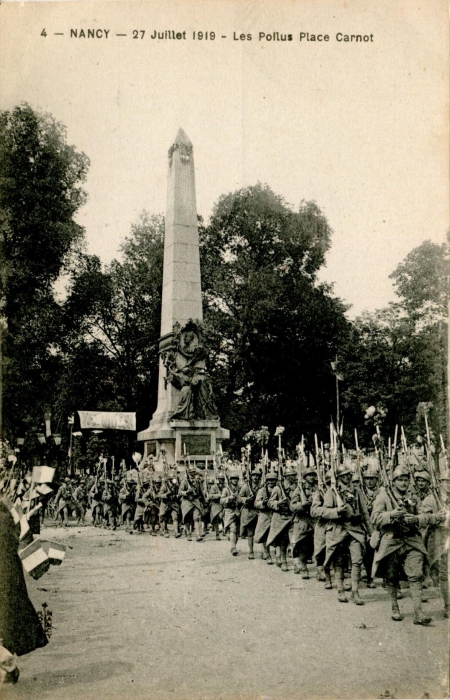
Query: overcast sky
(358, 127)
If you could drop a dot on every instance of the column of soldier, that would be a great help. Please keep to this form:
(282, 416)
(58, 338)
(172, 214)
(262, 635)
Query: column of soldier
(385, 515)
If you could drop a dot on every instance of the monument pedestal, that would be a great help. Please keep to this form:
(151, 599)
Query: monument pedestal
(198, 439)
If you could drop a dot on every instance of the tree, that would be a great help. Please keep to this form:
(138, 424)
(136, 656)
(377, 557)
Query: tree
(113, 324)
(41, 180)
(273, 327)
(397, 356)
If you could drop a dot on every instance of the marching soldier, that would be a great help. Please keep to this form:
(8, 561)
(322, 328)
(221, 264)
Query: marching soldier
(153, 501)
(436, 536)
(63, 501)
(401, 549)
(422, 481)
(265, 516)
(80, 501)
(109, 505)
(232, 510)
(95, 497)
(192, 503)
(320, 524)
(170, 506)
(249, 514)
(127, 503)
(347, 530)
(140, 509)
(282, 517)
(371, 490)
(216, 508)
(303, 530)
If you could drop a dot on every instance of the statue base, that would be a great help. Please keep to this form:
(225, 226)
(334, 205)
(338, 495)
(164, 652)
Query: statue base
(198, 439)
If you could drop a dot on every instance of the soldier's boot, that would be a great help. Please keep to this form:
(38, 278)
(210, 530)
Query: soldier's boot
(166, 530)
(176, 528)
(416, 594)
(320, 576)
(250, 548)
(278, 557)
(272, 555)
(443, 585)
(356, 573)
(216, 529)
(392, 591)
(339, 573)
(297, 567)
(198, 531)
(233, 540)
(188, 533)
(303, 567)
(266, 553)
(284, 566)
(328, 583)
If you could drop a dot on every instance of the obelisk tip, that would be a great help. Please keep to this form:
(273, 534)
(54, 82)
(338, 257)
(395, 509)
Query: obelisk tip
(182, 139)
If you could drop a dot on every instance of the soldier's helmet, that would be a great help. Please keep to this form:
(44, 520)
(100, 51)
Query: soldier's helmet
(422, 474)
(157, 479)
(233, 474)
(445, 476)
(310, 471)
(67, 480)
(328, 477)
(256, 474)
(289, 471)
(220, 476)
(342, 470)
(371, 472)
(400, 471)
(271, 476)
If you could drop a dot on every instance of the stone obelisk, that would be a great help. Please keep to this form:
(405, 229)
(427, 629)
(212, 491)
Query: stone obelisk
(181, 304)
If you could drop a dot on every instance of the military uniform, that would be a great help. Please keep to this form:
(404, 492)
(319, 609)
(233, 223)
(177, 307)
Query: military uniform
(265, 516)
(401, 551)
(152, 503)
(323, 574)
(127, 503)
(232, 510)
(249, 514)
(95, 497)
(192, 504)
(216, 508)
(347, 530)
(169, 508)
(302, 535)
(436, 539)
(282, 517)
(63, 501)
(80, 502)
(370, 492)
(110, 504)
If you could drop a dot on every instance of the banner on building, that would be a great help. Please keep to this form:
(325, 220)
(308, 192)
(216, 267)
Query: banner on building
(107, 420)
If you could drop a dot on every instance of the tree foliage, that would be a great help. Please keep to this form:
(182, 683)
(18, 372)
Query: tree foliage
(41, 179)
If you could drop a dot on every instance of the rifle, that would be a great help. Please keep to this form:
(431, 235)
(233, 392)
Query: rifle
(358, 462)
(205, 486)
(301, 456)
(431, 464)
(333, 460)
(384, 477)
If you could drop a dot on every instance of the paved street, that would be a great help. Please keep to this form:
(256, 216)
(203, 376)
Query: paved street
(145, 617)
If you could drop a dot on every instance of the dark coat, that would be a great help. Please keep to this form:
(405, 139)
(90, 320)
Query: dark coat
(216, 508)
(358, 525)
(282, 517)
(264, 515)
(393, 534)
(20, 628)
(249, 514)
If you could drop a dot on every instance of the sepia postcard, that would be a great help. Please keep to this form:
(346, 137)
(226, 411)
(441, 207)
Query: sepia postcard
(224, 248)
